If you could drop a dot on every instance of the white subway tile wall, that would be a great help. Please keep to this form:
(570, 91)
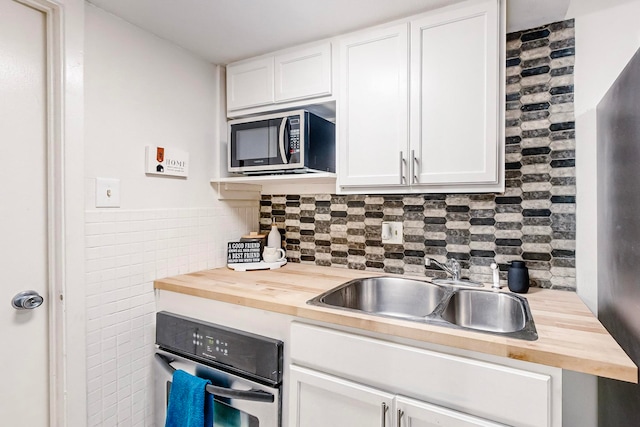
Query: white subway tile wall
(126, 250)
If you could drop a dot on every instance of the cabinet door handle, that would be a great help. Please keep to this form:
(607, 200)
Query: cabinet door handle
(400, 414)
(383, 414)
(415, 163)
(402, 162)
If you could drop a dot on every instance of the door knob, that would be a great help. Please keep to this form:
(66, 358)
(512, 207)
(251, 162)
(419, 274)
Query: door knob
(27, 300)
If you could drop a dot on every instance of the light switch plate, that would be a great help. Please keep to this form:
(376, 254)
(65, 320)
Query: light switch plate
(392, 232)
(107, 193)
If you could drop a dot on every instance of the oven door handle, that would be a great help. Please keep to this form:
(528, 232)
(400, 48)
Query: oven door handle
(216, 391)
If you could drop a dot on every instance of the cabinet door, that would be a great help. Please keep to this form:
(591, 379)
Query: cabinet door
(304, 73)
(250, 83)
(456, 94)
(415, 413)
(373, 108)
(320, 400)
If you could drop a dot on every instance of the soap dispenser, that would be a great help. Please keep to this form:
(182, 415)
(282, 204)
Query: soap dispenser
(274, 240)
(518, 277)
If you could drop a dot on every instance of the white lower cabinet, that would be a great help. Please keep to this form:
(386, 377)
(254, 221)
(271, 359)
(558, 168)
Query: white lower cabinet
(415, 413)
(343, 379)
(320, 400)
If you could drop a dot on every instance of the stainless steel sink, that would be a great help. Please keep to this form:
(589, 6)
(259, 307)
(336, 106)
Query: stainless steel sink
(484, 311)
(385, 296)
(489, 311)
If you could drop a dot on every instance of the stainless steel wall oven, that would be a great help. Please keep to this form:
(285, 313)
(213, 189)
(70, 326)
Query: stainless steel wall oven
(245, 370)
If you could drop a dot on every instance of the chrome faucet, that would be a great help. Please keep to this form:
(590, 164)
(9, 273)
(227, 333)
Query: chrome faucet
(452, 266)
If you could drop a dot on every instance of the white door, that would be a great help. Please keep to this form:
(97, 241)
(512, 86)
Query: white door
(320, 400)
(24, 334)
(373, 117)
(415, 413)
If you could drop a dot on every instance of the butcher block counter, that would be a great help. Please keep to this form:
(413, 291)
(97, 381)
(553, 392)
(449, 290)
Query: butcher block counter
(569, 335)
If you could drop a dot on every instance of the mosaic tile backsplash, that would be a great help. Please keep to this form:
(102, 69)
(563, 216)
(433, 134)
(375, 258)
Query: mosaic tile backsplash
(533, 220)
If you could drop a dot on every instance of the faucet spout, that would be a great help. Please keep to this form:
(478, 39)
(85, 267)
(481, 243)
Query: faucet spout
(452, 266)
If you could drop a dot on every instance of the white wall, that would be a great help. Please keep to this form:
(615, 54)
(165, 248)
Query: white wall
(607, 36)
(73, 379)
(141, 90)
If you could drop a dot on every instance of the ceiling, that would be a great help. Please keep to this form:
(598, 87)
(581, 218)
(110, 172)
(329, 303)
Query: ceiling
(223, 31)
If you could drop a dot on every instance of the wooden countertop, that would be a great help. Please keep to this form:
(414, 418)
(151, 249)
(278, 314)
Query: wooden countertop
(570, 336)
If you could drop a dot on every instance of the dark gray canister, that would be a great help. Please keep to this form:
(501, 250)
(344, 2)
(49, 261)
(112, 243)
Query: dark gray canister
(518, 277)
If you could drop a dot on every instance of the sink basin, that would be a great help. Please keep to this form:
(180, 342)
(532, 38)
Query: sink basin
(490, 312)
(385, 296)
(484, 311)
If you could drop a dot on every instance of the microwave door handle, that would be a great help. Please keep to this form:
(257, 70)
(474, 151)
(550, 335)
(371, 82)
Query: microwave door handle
(283, 154)
(216, 391)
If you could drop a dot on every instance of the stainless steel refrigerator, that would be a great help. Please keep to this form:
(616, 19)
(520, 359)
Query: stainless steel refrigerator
(618, 120)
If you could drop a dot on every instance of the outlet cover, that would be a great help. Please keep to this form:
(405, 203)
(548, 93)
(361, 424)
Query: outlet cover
(107, 193)
(392, 232)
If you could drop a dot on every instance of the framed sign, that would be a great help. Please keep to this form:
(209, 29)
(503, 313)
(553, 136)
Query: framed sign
(166, 161)
(243, 252)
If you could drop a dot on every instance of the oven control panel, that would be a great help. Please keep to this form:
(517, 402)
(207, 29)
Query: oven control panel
(213, 346)
(237, 350)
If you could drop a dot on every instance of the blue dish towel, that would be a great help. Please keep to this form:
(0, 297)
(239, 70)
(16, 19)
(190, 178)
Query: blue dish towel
(189, 404)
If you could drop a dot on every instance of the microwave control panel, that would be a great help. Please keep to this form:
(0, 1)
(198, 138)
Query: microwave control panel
(294, 139)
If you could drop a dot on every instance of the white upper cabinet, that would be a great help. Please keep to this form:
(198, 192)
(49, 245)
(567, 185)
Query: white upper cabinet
(419, 101)
(455, 96)
(303, 73)
(250, 83)
(423, 113)
(270, 82)
(373, 107)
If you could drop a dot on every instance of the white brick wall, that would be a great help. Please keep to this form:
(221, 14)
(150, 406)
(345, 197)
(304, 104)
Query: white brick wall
(125, 251)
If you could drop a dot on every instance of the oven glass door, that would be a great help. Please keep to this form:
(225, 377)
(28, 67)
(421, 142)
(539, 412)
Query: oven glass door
(228, 411)
(228, 416)
(258, 145)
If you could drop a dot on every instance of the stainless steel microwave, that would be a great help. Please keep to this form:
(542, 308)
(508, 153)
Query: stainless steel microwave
(291, 141)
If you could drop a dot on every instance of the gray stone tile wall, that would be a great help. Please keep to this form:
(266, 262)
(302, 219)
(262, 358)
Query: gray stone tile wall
(533, 220)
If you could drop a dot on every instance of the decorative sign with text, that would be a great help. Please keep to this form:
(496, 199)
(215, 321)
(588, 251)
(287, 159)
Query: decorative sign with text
(166, 161)
(241, 252)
